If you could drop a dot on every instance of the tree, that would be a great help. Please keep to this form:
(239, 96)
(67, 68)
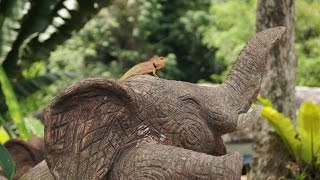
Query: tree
(228, 32)
(270, 155)
(307, 30)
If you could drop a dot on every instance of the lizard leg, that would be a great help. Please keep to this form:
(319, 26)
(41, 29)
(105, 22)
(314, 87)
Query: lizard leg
(154, 73)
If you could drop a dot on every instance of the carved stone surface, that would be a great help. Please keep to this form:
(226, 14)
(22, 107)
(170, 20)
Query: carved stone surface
(148, 127)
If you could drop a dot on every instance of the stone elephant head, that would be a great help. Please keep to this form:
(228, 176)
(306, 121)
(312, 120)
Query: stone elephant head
(147, 127)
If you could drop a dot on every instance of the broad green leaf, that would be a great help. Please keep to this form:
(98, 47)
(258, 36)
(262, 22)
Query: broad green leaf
(308, 128)
(283, 126)
(7, 163)
(4, 136)
(11, 13)
(39, 18)
(26, 87)
(79, 12)
(13, 105)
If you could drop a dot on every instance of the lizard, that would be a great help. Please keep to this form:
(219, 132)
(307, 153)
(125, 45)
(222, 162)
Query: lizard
(146, 67)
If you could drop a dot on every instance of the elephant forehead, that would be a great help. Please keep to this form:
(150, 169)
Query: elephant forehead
(177, 110)
(149, 85)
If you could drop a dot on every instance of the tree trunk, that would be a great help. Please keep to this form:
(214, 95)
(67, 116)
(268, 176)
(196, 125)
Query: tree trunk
(270, 154)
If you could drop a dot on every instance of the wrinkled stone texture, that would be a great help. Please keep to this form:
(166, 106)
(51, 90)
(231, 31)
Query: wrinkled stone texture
(147, 127)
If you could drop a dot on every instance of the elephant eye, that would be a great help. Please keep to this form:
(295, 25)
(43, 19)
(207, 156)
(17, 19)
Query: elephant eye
(191, 100)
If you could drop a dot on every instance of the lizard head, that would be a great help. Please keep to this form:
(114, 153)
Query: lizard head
(159, 61)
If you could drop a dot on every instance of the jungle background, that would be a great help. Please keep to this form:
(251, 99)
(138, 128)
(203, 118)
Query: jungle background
(43, 52)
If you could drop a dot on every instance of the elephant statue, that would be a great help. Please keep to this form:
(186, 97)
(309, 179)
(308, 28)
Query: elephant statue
(151, 128)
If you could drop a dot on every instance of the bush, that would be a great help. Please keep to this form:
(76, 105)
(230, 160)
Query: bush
(302, 140)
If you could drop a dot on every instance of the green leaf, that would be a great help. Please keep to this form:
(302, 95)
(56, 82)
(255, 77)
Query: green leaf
(26, 87)
(283, 127)
(7, 163)
(39, 18)
(308, 126)
(74, 15)
(264, 101)
(13, 105)
(1, 120)
(11, 13)
(4, 136)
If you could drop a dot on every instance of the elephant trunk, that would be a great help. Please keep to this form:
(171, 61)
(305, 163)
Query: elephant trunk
(243, 83)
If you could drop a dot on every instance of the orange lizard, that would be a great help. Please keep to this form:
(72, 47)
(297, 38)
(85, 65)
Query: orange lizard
(146, 67)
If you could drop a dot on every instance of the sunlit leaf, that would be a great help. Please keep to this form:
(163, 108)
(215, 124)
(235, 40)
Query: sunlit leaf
(38, 18)
(27, 87)
(13, 105)
(7, 163)
(283, 126)
(11, 13)
(264, 101)
(40, 48)
(4, 136)
(308, 127)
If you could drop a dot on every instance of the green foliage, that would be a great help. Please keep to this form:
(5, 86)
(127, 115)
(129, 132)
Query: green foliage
(282, 126)
(13, 105)
(296, 171)
(24, 92)
(264, 102)
(29, 32)
(232, 24)
(180, 32)
(83, 50)
(11, 13)
(308, 71)
(26, 88)
(129, 32)
(308, 42)
(202, 42)
(34, 126)
(4, 136)
(200, 38)
(7, 163)
(303, 141)
(308, 126)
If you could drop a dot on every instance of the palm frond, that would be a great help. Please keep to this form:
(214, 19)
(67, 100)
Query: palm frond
(67, 17)
(12, 104)
(11, 15)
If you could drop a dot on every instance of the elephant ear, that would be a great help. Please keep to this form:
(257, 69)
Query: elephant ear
(86, 126)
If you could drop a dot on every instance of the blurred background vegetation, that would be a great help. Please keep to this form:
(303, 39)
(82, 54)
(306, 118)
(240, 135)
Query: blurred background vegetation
(47, 45)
